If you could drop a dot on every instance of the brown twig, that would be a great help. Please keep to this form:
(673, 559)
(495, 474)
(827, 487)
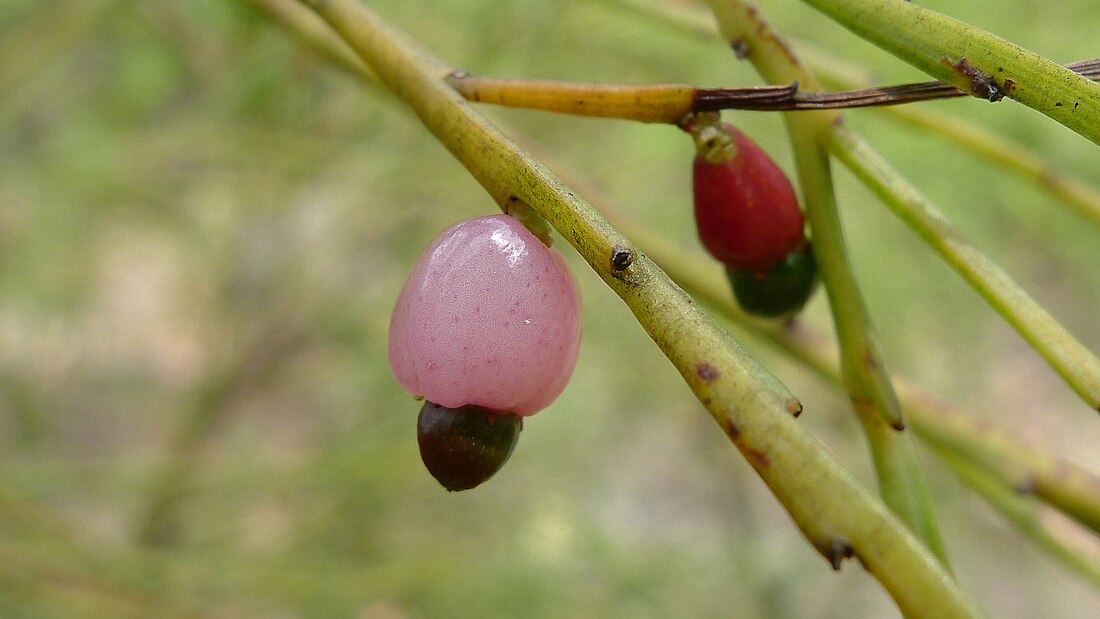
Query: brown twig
(787, 98)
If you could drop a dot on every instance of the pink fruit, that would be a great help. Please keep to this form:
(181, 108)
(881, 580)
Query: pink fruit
(745, 208)
(489, 316)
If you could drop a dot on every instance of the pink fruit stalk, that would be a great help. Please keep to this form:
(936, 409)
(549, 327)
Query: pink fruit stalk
(489, 316)
(745, 208)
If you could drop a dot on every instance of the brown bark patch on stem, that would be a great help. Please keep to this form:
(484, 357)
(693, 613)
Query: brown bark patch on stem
(707, 372)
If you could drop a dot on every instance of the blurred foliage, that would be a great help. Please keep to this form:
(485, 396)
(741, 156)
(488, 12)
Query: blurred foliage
(203, 228)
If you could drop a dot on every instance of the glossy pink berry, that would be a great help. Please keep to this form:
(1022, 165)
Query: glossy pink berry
(745, 208)
(489, 316)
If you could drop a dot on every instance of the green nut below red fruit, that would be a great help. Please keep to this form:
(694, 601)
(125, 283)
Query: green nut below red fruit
(462, 447)
(782, 289)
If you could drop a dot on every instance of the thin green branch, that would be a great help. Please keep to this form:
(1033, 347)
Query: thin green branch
(972, 59)
(1016, 159)
(1025, 469)
(1058, 482)
(1069, 358)
(901, 481)
(837, 516)
(841, 73)
(314, 32)
(1023, 512)
(1080, 197)
(1009, 155)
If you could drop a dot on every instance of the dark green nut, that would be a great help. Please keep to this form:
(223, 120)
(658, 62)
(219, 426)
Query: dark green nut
(780, 290)
(462, 447)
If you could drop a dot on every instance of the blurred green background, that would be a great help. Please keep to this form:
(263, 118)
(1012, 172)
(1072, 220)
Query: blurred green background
(203, 227)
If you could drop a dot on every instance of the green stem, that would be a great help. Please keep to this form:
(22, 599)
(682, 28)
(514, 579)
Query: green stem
(986, 451)
(1058, 482)
(1011, 156)
(972, 59)
(1025, 468)
(313, 31)
(901, 481)
(1028, 469)
(842, 74)
(1022, 512)
(1080, 197)
(837, 515)
(1069, 358)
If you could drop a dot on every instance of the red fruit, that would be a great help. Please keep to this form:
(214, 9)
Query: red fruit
(745, 208)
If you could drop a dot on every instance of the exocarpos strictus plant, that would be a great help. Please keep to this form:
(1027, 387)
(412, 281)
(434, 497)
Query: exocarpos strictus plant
(761, 230)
